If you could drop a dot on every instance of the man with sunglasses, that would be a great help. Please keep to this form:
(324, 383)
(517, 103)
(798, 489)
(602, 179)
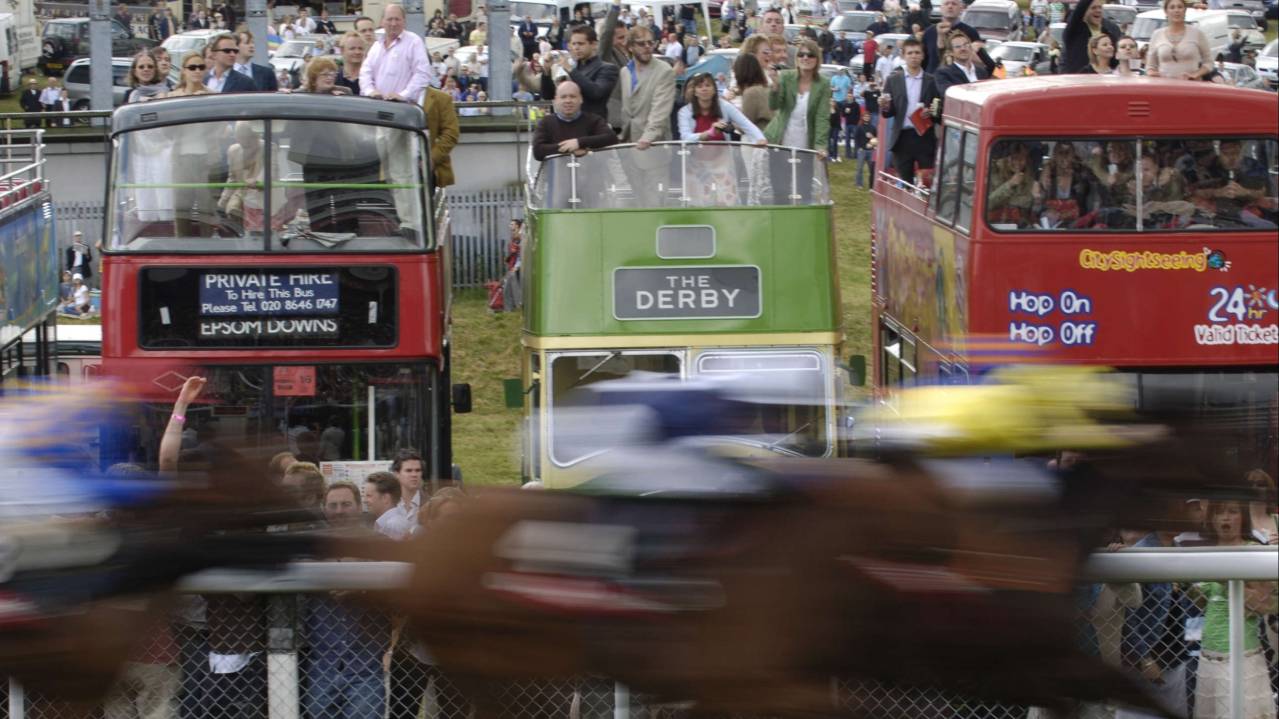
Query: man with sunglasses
(961, 70)
(222, 77)
(648, 95)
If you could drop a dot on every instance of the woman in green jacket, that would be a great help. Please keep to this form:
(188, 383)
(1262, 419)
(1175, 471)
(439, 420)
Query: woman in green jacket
(800, 101)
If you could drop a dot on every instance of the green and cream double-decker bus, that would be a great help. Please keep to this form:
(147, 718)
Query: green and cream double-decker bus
(687, 261)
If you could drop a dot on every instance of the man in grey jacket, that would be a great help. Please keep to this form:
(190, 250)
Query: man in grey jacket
(648, 94)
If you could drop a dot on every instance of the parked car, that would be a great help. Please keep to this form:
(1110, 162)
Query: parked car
(994, 19)
(291, 55)
(189, 41)
(64, 40)
(1018, 56)
(1244, 22)
(888, 39)
(1121, 15)
(1141, 5)
(792, 32)
(1240, 75)
(79, 90)
(1268, 62)
(853, 25)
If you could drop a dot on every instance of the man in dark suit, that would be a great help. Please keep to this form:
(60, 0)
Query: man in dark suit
(962, 69)
(528, 36)
(224, 52)
(30, 101)
(905, 91)
(594, 77)
(79, 258)
(263, 76)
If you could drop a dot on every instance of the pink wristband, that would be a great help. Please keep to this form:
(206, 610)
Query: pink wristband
(179, 417)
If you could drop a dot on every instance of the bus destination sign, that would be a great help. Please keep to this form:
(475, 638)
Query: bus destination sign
(271, 293)
(676, 293)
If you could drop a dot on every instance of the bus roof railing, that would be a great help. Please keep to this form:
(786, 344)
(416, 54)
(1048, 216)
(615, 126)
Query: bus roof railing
(680, 174)
(254, 105)
(22, 161)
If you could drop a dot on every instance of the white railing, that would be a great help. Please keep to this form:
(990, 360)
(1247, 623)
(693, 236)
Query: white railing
(1234, 566)
(21, 167)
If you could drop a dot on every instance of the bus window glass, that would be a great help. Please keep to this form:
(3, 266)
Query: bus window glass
(949, 183)
(207, 187)
(1166, 185)
(330, 422)
(788, 410)
(969, 176)
(576, 433)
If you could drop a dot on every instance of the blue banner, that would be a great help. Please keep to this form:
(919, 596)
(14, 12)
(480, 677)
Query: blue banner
(28, 270)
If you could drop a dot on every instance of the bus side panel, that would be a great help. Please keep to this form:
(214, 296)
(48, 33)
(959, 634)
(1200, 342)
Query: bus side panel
(575, 256)
(921, 273)
(1134, 301)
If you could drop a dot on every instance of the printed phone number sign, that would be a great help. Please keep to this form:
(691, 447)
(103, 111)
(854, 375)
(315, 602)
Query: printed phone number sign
(289, 292)
(672, 293)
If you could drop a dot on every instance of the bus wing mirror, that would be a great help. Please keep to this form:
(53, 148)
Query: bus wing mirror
(461, 398)
(513, 393)
(856, 370)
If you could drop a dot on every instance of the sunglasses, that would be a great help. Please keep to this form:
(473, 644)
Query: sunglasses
(805, 54)
(643, 43)
(197, 68)
(144, 67)
(230, 50)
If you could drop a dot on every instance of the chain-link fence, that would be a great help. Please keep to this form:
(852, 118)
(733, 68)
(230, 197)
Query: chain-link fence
(331, 655)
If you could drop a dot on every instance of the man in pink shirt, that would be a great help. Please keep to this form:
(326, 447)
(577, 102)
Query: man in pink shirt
(398, 69)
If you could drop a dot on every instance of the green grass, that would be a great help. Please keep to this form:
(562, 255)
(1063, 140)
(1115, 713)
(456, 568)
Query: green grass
(486, 346)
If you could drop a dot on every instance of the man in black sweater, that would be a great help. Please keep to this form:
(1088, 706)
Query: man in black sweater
(570, 129)
(594, 77)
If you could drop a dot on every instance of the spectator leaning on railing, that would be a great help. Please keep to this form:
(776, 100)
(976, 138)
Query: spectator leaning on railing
(570, 129)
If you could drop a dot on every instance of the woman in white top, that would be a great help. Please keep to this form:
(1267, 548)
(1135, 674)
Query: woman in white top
(801, 118)
(1178, 51)
(706, 117)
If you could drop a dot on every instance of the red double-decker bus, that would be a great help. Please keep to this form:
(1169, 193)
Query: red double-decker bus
(287, 248)
(1127, 223)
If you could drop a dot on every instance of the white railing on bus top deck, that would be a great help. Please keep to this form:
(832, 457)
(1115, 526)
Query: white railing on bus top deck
(1234, 566)
(21, 166)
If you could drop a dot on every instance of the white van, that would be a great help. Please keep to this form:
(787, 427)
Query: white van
(19, 48)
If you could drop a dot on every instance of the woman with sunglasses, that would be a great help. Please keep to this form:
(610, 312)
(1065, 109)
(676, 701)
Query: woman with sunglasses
(800, 101)
(144, 79)
(191, 79)
(708, 118)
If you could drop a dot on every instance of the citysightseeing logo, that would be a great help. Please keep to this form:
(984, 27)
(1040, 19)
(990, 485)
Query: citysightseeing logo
(1238, 316)
(1124, 261)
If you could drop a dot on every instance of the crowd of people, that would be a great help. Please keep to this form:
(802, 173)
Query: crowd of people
(1095, 185)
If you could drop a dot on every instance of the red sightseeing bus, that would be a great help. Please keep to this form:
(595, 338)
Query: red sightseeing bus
(1127, 223)
(286, 248)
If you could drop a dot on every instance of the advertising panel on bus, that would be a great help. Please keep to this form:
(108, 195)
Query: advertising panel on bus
(1133, 302)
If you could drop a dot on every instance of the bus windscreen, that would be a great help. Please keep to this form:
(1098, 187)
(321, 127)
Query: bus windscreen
(1193, 184)
(268, 185)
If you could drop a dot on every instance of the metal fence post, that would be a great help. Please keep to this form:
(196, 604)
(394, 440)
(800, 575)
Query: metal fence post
(282, 658)
(1237, 617)
(621, 701)
(17, 701)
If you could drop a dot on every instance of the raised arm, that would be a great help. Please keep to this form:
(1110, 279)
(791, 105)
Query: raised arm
(171, 442)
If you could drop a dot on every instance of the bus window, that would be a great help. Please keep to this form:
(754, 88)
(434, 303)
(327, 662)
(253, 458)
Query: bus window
(1164, 185)
(899, 360)
(572, 440)
(790, 406)
(329, 186)
(949, 182)
(969, 181)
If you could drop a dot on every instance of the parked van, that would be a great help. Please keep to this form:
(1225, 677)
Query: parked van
(994, 19)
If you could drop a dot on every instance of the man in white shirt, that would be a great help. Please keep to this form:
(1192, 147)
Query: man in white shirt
(904, 93)
(381, 494)
(401, 521)
(305, 24)
(224, 51)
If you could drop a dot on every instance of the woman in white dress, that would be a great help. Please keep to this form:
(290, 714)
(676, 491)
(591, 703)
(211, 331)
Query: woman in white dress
(1177, 50)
